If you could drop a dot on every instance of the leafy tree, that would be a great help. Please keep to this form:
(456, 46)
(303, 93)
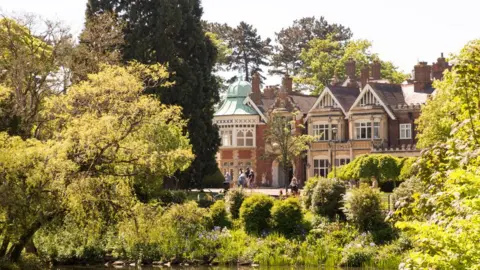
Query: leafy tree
(249, 51)
(30, 63)
(99, 43)
(362, 206)
(326, 58)
(170, 32)
(378, 166)
(101, 141)
(292, 40)
(283, 145)
(444, 216)
(327, 198)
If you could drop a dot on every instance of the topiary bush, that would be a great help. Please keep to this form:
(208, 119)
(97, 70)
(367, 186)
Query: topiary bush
(255, 213)
(233, 201)
(213, 181)
(327, 198)
(287, 217)
(362, 207)
(219, 215)
(308, 192)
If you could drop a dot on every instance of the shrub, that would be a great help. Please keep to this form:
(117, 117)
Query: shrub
(172, 196)
(287, 217)
(362, 207)
(233, 201)
(308, 192)
(327, 198)
(219, 215)
(255, 213)
(213, 181)
(359, 252)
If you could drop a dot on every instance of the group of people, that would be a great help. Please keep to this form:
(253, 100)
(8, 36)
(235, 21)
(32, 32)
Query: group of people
(245, 179)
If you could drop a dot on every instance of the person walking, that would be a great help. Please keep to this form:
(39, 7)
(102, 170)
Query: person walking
(294, 186)
(251, 179)
(241, 179)
(228, 179)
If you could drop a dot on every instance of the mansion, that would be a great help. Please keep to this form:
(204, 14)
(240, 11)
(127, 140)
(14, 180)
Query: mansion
(360, 115)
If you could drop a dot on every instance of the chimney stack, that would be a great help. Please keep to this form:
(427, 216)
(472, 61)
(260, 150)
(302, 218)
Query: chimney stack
(439, 67)
(256, 94)
(376, 67)
(364, 75)
(422, 78)
(288, 83)
(350, 68)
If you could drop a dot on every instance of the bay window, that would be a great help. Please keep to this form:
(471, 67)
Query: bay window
(363, 130)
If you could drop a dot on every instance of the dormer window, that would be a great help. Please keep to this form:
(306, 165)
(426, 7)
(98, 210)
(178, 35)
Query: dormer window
(369, 99)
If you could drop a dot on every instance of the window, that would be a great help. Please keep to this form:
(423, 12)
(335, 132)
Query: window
(363, 130)
(405, 131)
(240, 138)
(245, 138)
(249, 138)
(324, 132)
(320, 167)
(341, 161)
(226, 136)
(321, 132)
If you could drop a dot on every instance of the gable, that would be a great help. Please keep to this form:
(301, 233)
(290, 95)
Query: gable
(369, 97)
(327, 101)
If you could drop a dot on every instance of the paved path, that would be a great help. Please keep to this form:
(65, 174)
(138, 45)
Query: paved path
(267, 191)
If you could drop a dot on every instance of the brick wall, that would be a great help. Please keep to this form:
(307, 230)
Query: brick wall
(263, 166)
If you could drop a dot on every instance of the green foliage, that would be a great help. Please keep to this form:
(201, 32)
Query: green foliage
(362, 207)
(233, 201)
(327, 198)
(325, 58)
(255, 213)
(443, 220)
(172, 33)
(382, 167)
(287, 217)
(213, 181)
(407, 168)
(308, 192)
(167, 197)
(291, 40)
(219, 215)
(284, 146)
(359, 252)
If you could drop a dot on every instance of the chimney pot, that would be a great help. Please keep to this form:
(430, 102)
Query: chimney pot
(364, 75)
(376, 70)
(288, 83)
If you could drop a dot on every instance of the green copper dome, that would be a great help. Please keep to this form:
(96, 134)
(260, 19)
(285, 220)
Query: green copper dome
(239, 89)
(236, 95)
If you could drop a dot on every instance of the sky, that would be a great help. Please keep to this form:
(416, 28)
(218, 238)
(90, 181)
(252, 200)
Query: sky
(402, 31)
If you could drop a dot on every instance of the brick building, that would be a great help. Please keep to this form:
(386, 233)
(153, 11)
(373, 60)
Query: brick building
(362, 114)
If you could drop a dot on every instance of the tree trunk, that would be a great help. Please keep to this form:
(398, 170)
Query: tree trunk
(4, 246)
(16, 249)
(30, 247)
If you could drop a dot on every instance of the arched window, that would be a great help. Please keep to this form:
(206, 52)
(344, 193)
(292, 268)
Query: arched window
(249, 138)
(240, 138)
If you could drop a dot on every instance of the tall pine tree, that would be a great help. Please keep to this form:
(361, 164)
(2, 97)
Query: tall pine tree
(170, 32)
(291, 40)
(249, 51)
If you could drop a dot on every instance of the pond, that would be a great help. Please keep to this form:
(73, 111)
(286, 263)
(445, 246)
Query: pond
(98, 267)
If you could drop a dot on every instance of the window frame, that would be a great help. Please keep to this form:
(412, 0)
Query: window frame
(405, 128)
(367, 126)
(321, 165)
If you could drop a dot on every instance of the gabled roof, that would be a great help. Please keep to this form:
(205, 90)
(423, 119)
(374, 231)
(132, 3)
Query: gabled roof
(386, 94)
(390, 94)
(345, 96)
(303, 102)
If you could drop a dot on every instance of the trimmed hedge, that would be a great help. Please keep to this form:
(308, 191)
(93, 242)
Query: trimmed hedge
(255, 213)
